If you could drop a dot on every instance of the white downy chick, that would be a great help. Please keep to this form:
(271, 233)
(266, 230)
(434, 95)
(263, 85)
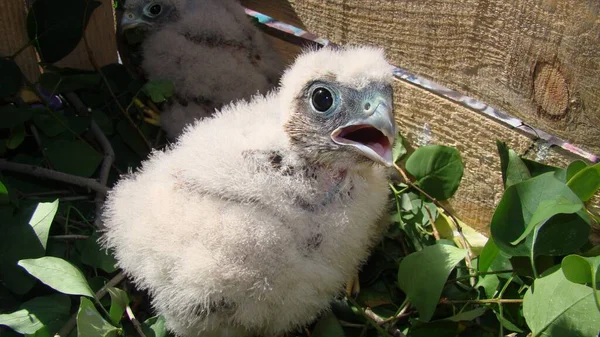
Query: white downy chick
(209, 49)
(254, 220)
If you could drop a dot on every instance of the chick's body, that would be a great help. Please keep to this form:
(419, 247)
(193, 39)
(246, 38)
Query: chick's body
(237, 229)
(209, 49)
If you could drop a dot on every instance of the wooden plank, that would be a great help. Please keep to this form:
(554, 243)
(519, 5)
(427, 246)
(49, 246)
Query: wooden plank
(538, 60)
(13, 35)
(425, 118)
(100, 34)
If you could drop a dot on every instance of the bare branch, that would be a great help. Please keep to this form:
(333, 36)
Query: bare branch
(69, 237)
(43, 173)
(134, 321)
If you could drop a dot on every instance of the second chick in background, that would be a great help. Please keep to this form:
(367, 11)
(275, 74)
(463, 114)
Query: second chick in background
(209, 49)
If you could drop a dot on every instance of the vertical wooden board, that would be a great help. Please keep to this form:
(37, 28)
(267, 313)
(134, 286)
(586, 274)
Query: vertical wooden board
(13, 35)
(539, 60)
(100, 34)
(425, 118)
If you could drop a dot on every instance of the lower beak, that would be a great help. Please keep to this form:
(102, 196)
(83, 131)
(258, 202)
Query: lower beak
(373, 136)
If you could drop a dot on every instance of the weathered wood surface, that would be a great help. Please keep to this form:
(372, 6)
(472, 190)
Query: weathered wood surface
(100, 33)
(441, 43)
(13, 37)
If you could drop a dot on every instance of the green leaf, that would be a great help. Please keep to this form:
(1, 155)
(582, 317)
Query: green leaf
(4, 197)
(17, 241)
(581, 269)
(574, 168)
(423, 285)
(467, 316)
(513, 168)
(159, 90)
(94, 255)
(118, 301)
(399, 150)
(16, 137)
(155, 327)
(554, 306)
(57, 83)
(73, 157)
(11, 116)
(58, 274)
(11, 78)
(50, 124)
(438, 329)
(38, 313)
(132, 138)
(516, 210)
(42, 219)
(488, 254)
(438, 170)
(104, 122)
(547, 209)
(537, 168)
(586, 182)
(328, 326)
(91, 324)
(57, 26)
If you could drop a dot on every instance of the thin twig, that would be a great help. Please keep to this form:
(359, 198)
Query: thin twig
(69, 237)
(402, 313)
(112, 94)
(134, 321)
(41, 172)
(72, 322)
(351, 325)
(109, 153)
(70, 198)
(436, 234)
(470, 254)
(487, 301)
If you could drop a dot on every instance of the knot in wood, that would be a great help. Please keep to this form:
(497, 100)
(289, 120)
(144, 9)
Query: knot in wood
(550, 91)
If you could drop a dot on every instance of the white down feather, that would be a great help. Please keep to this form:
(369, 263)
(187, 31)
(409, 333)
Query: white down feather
(205, 222)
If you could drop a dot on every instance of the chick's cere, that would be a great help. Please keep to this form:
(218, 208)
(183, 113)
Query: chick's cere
(209, 49)
(253, 221)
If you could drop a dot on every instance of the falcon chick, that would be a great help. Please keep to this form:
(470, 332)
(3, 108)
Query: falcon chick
(253, 221)
(209, 49)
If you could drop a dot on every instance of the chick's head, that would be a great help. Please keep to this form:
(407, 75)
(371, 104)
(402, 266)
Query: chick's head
(338, 106)
(149, 14)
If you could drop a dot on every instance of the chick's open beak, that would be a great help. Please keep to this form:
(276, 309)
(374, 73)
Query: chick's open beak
(131, 20)
(372, 134)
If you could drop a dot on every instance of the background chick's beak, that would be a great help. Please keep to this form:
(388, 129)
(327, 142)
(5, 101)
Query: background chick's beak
(372, 134)
(131, 20)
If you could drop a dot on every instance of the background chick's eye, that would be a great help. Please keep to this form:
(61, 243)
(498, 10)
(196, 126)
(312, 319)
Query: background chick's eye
(154, 10)
(322, 99)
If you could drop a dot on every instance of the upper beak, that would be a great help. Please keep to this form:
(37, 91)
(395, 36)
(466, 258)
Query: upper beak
(131, 20)
(373, 133)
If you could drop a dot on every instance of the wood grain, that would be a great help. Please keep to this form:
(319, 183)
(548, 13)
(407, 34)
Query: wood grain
(425, 118)
(539, 60)
(14, 36)
(100, 34)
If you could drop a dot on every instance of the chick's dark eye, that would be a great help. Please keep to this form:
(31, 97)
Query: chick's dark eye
(155, 9)
(322, 99)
